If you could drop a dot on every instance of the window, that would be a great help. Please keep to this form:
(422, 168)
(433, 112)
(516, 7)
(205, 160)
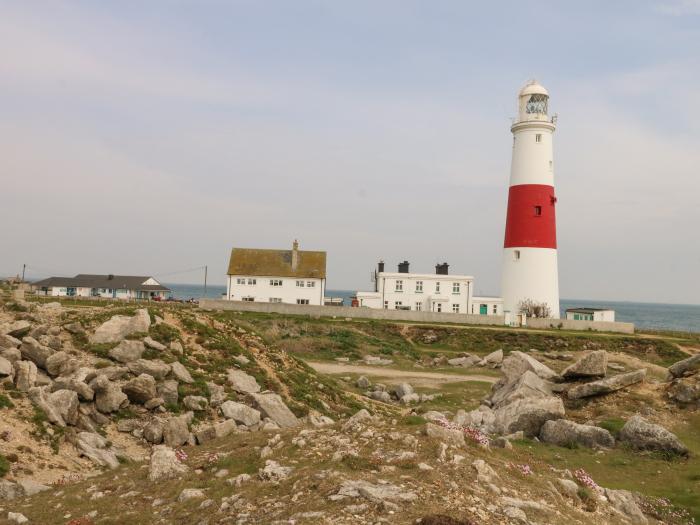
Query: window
(455, 287)
(419, 286)
(386, 305)
(302, 301)
(248, 299)
(437, 287)
(252, 281)
(538, 137)
(398, 305)
(419, 306)
(516, 255)
(438, 307)
(455, 308)
(300, 284)
(275, 282)
(240, 281)
(275, 299)
(399, 286)
(310, 284)
(495, 309)
(538, 211)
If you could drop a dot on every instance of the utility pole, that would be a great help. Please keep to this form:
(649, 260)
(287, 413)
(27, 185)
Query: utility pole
(205, 281)
(24, 267)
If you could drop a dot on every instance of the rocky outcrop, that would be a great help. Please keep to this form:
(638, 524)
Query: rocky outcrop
(108, 396)
(181, 373)
(446, 435)
(492, 360)
(176, 430)
(61, 407)
(140, 389)
(85, 393)
(625, 503)
(566, 433)
(164, 464)
(120, 326)
(642, 435)
(594, 364)
(271, 405)
(168, 390)
(606, 386)
(34, 351)
(153, 367)
(97, 449)
(685, 367)
(127, 351)
(527, 415)
(61, 364)
(25, 375)
(242, 382)
(195, 402)
(240, 413)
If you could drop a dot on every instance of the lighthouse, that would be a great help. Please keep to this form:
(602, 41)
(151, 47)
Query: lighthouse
(529, 271)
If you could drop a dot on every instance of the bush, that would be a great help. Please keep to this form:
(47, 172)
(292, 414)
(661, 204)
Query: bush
(164, 333)
(4, 466)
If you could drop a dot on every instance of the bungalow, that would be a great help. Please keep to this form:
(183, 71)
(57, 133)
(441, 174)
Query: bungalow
(111, 286)
(590, 314)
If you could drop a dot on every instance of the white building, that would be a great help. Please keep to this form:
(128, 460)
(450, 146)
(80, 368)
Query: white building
(590, 314)
(423, 292)
(529, 271)
(277, 276)
(482, 305)
(108, 286)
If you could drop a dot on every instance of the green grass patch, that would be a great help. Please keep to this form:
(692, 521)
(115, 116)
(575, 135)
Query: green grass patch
(413, 420)
(164, 333)
(4, 466)
(6, 402)
(612, 425)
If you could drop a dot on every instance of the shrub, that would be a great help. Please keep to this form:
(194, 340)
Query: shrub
(4, 466)
(164, 333)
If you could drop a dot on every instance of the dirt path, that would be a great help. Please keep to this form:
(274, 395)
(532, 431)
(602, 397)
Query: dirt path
(417, 378)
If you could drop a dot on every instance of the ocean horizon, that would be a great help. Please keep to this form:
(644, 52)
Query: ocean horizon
(649, 316)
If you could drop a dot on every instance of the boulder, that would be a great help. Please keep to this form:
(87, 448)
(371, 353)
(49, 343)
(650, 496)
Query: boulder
(195, 402)
(154, 403)
(181, 373)
(34, 351)
(484, 472)
(447, 435)
(169, 392)
(176, 348)
(97, 449)
(357, 420)
(685, 367)
(626, 503)
(155, 345)
(607, 385)
(242, 382)
(164, 464)
(527, 415)
(140, 389)
(363, 382)
(271, 405)
(74, 328)
(85, 393)
(594, 364)
(17, 329)
(10, 490)
(566, 433)
(466, 361)
(66, 403)
(215, 431)
(25, 375)
(217, 394)
(120, 326)
(6, 368)
(381, 493)
(176, 430)
(108, 396)
(240, 413)
(17, 517)
(380, 395)
(410, 398)
(110, 372)
(153, 431)
(30, 487)
(517, 363)
(492, 360)
(402, 390)
(127, 351)
(685, 390)
(528, 385)
(11, 354)
(154, 368)
(273, 471)
(40, 397)
(61, 364)
(188, 494)
(642, 435)
(7, 341)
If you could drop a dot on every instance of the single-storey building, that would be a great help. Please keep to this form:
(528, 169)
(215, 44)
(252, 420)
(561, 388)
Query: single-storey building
(590, 314)
(108, 286)
(277, 276)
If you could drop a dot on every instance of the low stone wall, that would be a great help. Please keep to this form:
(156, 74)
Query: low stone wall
(348, 311)
(570, 324)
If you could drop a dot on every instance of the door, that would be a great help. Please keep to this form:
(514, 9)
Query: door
(439, 307)
(483, 309)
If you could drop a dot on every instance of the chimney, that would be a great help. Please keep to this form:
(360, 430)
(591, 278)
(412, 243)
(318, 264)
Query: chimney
(295, 255)
(403, 267)
(380, 267)
(442, 269)
(110, 277)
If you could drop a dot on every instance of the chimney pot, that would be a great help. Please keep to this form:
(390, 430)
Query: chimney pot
(403, 267)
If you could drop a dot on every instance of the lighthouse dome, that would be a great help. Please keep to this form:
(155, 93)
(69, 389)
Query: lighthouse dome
(533, 88)
(533, 102)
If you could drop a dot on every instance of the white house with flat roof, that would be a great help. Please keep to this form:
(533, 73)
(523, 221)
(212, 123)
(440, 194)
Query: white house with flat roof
(277, 276)
(590, 314)
(481, 305)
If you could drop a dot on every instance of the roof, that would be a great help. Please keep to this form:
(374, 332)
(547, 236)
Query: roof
(533, 87)
(587, 310)
(122, 282)
(277, 263)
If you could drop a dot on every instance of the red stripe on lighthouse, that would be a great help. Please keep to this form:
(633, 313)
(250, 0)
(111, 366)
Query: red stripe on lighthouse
(530, 221)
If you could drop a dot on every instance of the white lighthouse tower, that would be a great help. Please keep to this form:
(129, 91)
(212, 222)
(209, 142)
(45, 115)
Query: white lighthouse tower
(530, 249)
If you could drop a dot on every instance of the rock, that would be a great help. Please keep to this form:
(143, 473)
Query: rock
(85, 393)
(34, 351)
(527, 415)
(176, 430)
(273, 471)
(484, 473)
(642, 435)
(685, 390)
(616, 366)
(195, 402)
(410, 398)
(61, 364)
(567, 487)
(357, 420)
(242, 382)
(119, 326)
(240, 413)
(501, 442)
(7, 341)
(74, 328)
(155, 368)
(155, 345)
(169, 392)
(176, 347)
(154, 403)
(493, 360)
(42, 379)
(17, 517)
(402, 390)
(363, 382)
(6, 368)
(10, 490)
(467, 361)
(129, 425)
(624, 502)
(108, 396)
(97, 449)
(153, 431)
(66, 403)
(181, 373)
(40, 397)
(216, 431)
(376, 493)
(217, 394)
(565, 433)
(317, 420)
(11, 354)
(164, 464)
(271, 405)
(140, 389)
(127, 351)
(188, 494)
(607, 385)
(110, 372)
(515, 515)
(685, 367)
(448, 435)
(25, 375)
(379, 395)
(594, 364)
(517, 363)
(17, 329)
(526, 386)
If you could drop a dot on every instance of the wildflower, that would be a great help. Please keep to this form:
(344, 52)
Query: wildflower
(523, 468)
(472, 433)
(181, 455)
(585, 479)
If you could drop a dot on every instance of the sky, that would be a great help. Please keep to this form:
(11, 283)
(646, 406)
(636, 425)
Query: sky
(148, 138)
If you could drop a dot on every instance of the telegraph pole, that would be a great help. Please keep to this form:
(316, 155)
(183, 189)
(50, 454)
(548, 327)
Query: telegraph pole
(205, 281)
(24, 267)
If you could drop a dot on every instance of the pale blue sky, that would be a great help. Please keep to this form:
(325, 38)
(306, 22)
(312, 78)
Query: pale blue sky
(150, 137)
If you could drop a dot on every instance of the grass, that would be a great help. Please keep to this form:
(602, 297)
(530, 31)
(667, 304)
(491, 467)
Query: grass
(4, 466)
(612, 425)
(41, 429)
(164, 333)
(6, 402)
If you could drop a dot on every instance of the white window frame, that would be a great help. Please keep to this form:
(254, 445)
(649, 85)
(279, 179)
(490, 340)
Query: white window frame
(455, 308)
(419, 286)
(538, 138)
(311, 284)
(300, 284)
(275, 282)
(302, 301)
(275, 299)
(419, 306)
(456, 288)
(398, 285)
(248, 299)
(252, 282)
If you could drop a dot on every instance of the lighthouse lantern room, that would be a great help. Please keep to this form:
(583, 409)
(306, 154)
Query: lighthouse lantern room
(529, 272)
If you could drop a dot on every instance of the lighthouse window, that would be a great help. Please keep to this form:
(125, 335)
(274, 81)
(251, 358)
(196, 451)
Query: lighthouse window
(538, 137)
(538, 210)
(537, 104)
(516, 255)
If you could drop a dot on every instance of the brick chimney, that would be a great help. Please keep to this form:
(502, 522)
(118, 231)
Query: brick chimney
(295, 255)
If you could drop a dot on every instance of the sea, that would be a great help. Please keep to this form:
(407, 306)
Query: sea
(650, 316)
